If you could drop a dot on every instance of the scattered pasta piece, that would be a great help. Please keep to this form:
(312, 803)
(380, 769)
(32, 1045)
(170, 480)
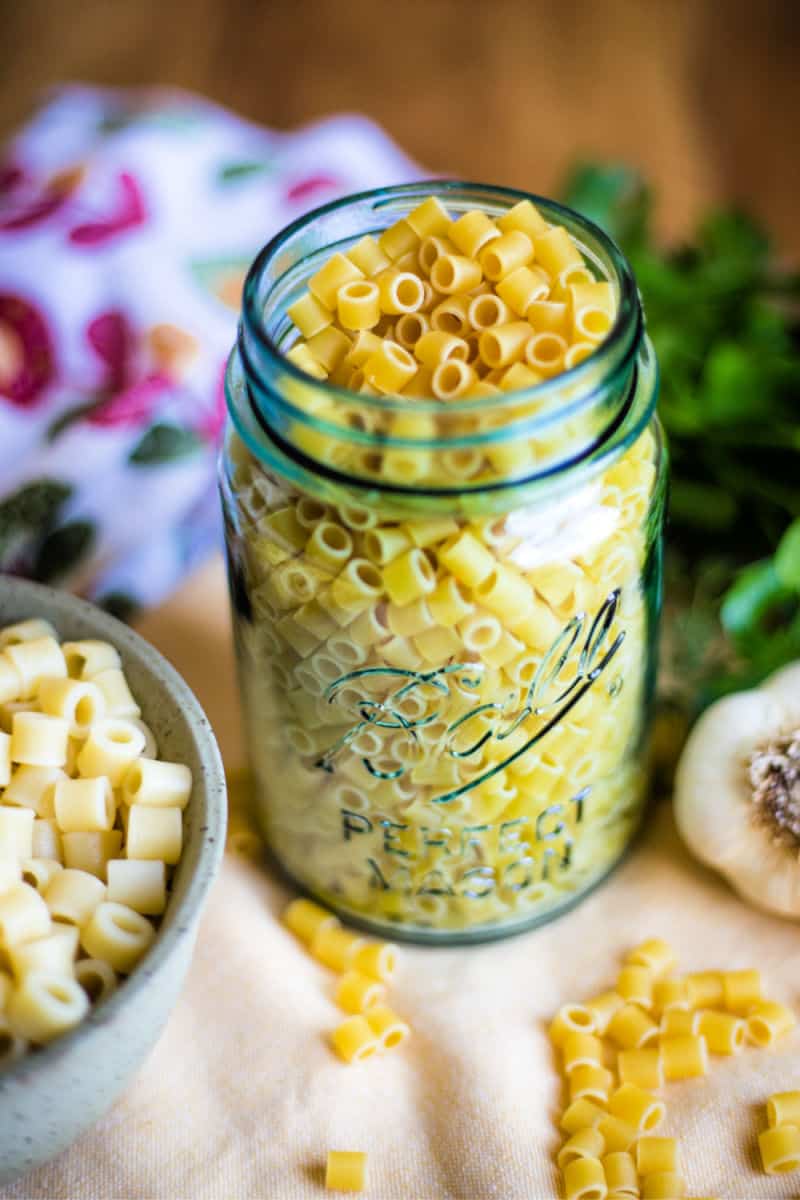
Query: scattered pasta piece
(784, 1109)
(388, 1028)
(354, 1040)
(780, 1149)
(346, 1171)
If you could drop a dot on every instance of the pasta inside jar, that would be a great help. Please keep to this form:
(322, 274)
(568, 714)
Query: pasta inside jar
(445, 596)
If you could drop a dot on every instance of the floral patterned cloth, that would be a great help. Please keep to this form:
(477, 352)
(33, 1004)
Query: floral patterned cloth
(127, 223)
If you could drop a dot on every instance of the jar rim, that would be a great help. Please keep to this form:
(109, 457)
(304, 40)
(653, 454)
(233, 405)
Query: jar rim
(627, 323)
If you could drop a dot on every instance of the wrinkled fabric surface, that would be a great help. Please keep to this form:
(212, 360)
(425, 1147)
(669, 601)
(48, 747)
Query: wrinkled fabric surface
(242, 1097)
(127, 223)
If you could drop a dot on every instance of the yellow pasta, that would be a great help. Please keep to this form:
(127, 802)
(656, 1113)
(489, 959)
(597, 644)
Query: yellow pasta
(346, 1171)
(602, 1008)
(23, 915)
(766, 1022)
(592, 1082)
(620, 1173)
(677, 1022)
(91, 851)
(581, 1114)
(399, 239)
(471, 232)
(581, 1049)
(684, 1057)
(741, 990)
(584, 1180)
(367, 257)
(16, 833)
(355, 993)
(336, 272)
(306, 919)
(572, 1018)
(654, 1154)
(455, 273)
(118, 935)
(641, 1067)
(637, 1106)
(44, 1005)
(309, 315)
(358, 306)
(783, 1108)
(631, 1028)
(654, 953)
(723, 1032)
(39, 740)
(354, 1040)
(780, 1149)
(672, 994)
(635, 985)
(706, 989)
(619, 1135)
(586, 1143)
(663, 1185)
(388, 1028)
(335, 947)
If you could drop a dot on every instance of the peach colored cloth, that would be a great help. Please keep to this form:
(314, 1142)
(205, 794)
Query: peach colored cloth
(242, 1097)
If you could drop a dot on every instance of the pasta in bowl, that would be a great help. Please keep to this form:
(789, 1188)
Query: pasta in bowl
(112, 818)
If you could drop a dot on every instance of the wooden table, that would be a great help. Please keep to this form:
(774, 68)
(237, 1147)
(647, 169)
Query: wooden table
(703, 95)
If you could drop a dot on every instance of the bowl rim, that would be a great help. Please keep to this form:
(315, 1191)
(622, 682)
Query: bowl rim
(211, 831)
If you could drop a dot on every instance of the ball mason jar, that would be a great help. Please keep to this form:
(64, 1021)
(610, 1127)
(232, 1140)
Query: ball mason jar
(445, 613)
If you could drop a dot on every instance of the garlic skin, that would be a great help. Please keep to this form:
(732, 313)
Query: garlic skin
(714, 807)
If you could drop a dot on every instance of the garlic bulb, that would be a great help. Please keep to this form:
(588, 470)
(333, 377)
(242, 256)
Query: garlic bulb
(737, 791)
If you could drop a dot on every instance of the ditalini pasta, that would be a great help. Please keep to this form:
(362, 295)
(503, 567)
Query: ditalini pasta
(83, 875)
(346, 1171)
(451, 697)
(613, 1082)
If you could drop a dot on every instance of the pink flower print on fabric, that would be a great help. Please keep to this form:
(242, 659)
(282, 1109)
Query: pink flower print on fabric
(211, 424)
(129, 213)
(27, 356)
(25, 203)
(132, 401)
(310, 186)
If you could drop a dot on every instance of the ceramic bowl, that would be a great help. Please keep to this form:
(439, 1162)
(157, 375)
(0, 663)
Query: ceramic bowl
(49, 1097)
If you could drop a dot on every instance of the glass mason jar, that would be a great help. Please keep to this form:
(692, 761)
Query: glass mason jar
(445, 613)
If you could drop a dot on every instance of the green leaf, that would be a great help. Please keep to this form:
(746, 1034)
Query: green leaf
(614, 197)
(787, 557)
(62, 550)
(701, 504)
(233, 172)
(164, 443)
(733, 389)
(33, 506)
(757, 591)
(121, 605)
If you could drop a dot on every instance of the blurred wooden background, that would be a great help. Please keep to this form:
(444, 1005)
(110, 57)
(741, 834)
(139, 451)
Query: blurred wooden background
(703, 95)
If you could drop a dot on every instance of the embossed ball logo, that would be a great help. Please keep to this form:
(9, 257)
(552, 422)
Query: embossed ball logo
(402, 718)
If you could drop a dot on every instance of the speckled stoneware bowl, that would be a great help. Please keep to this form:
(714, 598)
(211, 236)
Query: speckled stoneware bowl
(51, 1096)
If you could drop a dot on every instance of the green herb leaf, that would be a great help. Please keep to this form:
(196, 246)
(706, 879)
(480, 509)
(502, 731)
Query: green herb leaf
(164, 443)
(787, 557)
(61, 551)
(757, 590)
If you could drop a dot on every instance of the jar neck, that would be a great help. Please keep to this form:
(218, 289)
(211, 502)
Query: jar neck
(469, 455)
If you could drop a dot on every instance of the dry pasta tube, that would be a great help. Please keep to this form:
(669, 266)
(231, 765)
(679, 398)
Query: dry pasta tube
(618, 1135)
(780, 1149)
(572, 1018)
(620, 1172)
(655, 1154)
(631, 1028)
(335, 947)
(354, 1040)
(642, 1068)
(16, 833)
(97, 978)
(584, 1180)
(766, 1022)
(672, 994)
(38, 740)
(592, 1082)
(582, 1114)
(783, 1108)
(602, 1008)
(684, 1057)
(346, 1171)
(635, 985)
(663, 1185)
(677, 1023)
(724, 1033)
(741, 990)
(580, 1050)
(23, 915)
(355, 993)
(376, 959)
(636, 1106)
(388, 1028)
(586, 1143)
(706, 989)
(45, 1004)
(117, 935)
